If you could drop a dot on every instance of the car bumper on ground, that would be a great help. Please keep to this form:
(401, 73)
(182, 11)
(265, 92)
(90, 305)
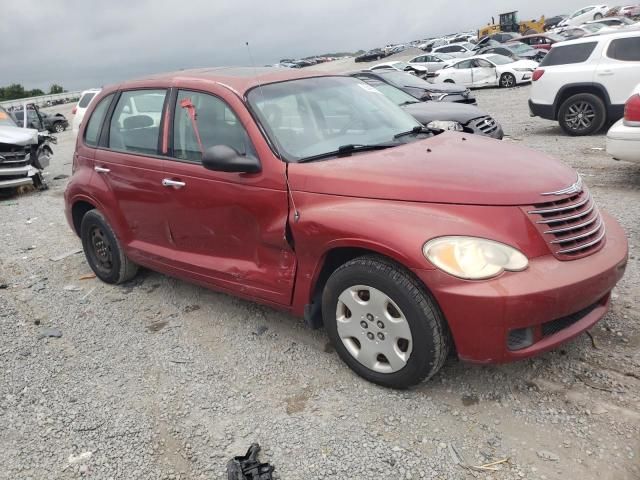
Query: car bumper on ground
(541, 110)
(623, 142)
(521, 314)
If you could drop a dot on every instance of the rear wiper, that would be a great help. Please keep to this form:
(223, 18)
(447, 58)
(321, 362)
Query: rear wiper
(346, 150)
(414, 131)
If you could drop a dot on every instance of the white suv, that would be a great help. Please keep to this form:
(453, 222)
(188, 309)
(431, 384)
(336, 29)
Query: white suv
(79, 110)
(584, 83)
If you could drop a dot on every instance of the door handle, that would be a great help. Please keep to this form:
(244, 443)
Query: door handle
(167, 182)
(101, 169)
(605, 72)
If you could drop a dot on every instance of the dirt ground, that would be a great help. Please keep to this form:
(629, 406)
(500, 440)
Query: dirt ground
(162, 379)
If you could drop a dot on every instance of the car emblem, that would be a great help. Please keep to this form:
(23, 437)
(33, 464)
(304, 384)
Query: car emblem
(571, 189)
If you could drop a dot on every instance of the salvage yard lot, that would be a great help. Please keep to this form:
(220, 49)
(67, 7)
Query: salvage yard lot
(162, 379)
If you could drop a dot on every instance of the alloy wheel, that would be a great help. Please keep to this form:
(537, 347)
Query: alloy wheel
(373, 329)
(580, 116)
(507, 81)
(58, 128)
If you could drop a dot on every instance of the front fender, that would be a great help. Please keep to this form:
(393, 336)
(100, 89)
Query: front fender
(395, 229)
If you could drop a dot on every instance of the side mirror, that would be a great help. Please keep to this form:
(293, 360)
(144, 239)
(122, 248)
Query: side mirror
(222, 158)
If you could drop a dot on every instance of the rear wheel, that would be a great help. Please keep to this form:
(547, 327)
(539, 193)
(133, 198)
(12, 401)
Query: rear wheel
(597, 16)
(507, 80)
(582, 114)
(383, 323)
(103, 250)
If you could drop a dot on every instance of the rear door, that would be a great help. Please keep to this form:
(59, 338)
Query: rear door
(129, 167)
(619, 70)
(461, 73)
(484, 73)
(227, 229)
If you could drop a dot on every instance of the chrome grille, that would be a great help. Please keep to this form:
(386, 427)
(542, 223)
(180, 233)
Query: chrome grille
(485, 125)
(572, 225)
(12, 156)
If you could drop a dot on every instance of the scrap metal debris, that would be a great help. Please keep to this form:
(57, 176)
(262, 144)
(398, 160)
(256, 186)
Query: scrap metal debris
(249, 467)
(458, 459)
(62, 256)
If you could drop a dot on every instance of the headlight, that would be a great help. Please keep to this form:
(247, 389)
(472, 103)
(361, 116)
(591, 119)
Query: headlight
(473, 258)
(445, 125)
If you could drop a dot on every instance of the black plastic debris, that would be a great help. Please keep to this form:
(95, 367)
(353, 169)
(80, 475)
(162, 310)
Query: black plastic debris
(249, 467)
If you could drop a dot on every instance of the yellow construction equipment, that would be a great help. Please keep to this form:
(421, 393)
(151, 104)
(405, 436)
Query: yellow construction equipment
(509, 23)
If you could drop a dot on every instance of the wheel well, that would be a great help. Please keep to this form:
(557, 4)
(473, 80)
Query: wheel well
(570, 91)
(78, 211)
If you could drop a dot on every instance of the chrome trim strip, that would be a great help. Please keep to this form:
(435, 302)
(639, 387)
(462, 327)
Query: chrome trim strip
(562, 208)
(570, 217)
(574, 227)
(575, 188)
(585, 245)
(582, 235)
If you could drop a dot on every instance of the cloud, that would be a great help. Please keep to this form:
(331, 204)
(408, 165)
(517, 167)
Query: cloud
(82, 43)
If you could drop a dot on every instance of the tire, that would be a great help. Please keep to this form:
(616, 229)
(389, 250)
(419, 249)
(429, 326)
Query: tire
(414, 333)
(597, 16)
(103, 251)
(507, 80)
(593, 112)
(448, 80)
(58, 127)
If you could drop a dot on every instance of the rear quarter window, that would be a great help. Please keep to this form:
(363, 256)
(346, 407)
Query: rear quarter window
(86, 99)
(568, 54)
(625, 49)
(92, 132)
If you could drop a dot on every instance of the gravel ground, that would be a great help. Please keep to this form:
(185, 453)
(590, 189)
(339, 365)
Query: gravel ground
(160, 379)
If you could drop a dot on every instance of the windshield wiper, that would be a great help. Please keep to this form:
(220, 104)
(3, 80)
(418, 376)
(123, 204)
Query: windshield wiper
(346, 150)
(414, 131)
(409, 102)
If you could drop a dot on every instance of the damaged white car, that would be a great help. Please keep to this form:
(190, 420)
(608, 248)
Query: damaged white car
(24, 154)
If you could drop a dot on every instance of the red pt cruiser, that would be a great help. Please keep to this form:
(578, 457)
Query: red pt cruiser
(317, 195)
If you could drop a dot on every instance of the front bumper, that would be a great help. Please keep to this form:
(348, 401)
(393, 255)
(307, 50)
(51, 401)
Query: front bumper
(17, 176)
(556, 300)
(623, 142)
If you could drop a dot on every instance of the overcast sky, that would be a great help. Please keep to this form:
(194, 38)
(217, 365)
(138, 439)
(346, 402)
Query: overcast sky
(86, 43)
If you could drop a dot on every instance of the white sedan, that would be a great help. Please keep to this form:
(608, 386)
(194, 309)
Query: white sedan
(488, 70)
(418, 70)
(592, 12)
(623, 138)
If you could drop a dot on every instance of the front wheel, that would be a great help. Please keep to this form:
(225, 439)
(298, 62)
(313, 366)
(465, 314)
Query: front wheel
(383, 323)
(58, 127)
(103, 250)
(507, 80)
(582, 114)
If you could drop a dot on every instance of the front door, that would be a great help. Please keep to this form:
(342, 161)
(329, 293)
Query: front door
(484, 73)
(227, 228)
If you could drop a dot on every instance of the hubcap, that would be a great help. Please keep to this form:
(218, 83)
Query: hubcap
(373, 329)
(101, 249)
(580, 116)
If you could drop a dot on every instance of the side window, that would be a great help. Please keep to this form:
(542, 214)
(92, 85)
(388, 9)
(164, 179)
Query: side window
(135, 125)
(465, 64)
(480, 62)
(625, 49)
(568, 54)
(92, 132)
(202, 121)
(86, 99)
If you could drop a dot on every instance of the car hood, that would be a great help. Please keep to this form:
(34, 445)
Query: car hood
(448, 168)
(522, 64)
(426, 112)
(18, 136)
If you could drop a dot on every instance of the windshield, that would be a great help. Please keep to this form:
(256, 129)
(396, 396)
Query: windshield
(499, 59)
(315, 116)
(394, 94)
(519, 47)
(593, 27)
(400, 65)
(5, 119)
(444, 56)
(403, 79)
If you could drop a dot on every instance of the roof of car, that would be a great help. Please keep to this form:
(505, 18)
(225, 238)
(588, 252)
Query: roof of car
(602, 36)
(239, 79)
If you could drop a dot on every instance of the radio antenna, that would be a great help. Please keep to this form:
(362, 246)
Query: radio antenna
(296, 213)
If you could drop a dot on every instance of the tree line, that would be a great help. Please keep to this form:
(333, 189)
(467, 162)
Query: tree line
(16, 91)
